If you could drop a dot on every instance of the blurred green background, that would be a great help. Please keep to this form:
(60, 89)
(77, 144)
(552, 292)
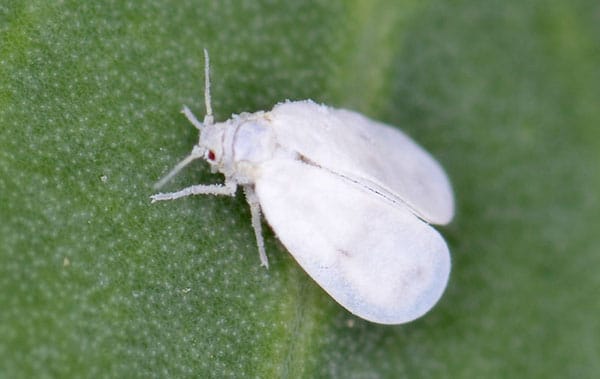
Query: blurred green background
(97, 282)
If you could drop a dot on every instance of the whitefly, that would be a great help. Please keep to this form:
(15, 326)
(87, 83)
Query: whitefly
(351, 199)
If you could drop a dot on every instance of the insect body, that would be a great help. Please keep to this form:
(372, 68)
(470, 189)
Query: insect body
(349, 197)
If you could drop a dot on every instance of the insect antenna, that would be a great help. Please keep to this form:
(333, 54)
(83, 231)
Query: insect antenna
(208, 118)
(198, 150)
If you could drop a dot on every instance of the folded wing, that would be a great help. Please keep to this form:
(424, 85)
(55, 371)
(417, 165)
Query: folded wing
(374, 257)
(367, 151)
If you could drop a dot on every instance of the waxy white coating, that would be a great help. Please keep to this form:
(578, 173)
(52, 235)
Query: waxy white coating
(350, 198)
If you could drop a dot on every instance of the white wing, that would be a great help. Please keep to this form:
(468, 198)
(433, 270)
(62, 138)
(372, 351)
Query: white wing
(372, 256)
(369, 152)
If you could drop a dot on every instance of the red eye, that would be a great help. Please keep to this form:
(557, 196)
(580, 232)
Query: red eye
(211, 155)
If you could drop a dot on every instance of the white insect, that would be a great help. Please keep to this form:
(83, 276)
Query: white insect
(349, 197)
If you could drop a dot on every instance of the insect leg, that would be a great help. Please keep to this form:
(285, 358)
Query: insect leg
(228, 188)
(252, 200)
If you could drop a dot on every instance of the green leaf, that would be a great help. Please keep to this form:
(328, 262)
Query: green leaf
(97, 282)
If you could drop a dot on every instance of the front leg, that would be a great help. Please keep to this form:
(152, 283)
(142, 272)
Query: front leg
(228, 188)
